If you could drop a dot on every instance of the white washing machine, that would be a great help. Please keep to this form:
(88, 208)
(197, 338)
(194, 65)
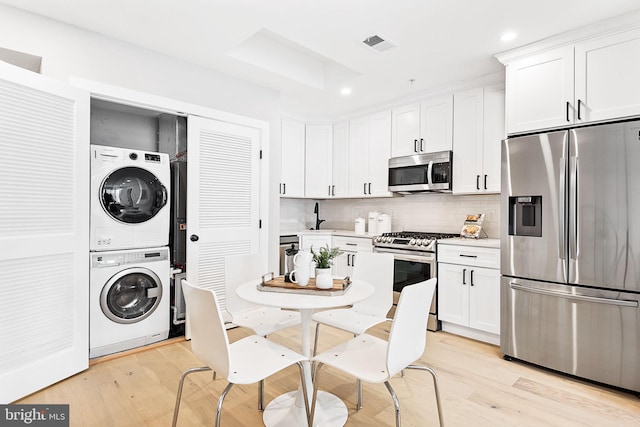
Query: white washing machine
(129, 194)
(128, 299)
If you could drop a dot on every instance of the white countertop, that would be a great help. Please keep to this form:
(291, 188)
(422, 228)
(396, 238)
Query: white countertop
(486, 243)
(346, 233)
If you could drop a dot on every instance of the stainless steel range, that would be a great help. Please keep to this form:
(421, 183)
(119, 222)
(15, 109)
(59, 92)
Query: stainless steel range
(414, 261)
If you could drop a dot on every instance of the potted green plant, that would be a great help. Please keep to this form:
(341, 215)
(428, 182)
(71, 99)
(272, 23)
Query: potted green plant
(324, 260)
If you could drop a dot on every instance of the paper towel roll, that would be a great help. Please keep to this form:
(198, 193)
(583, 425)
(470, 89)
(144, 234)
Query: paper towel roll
(384, 223)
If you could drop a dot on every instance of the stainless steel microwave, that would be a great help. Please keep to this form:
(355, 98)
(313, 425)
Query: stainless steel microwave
(420, 173)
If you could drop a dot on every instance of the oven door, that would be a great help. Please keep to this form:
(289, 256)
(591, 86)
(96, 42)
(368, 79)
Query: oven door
(411, 267)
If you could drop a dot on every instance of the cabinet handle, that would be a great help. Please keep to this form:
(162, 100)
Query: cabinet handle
(477, 182)
(329, 190)
(568, 105)
(348, 260)
(415, 145)
(469, 256)
(364, 189)
(333, 190)
(464, 276)
(421, 146)
(369, 188)
(485, 181)
(471, 274)
(579, 102)
(280, 188)
(353, 260)
(351, 244)
(284, 188)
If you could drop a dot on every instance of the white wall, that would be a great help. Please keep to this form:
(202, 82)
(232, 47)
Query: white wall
(69, 51)
(418, 212)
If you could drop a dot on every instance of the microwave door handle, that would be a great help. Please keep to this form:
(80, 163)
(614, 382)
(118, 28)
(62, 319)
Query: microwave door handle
(429, 174)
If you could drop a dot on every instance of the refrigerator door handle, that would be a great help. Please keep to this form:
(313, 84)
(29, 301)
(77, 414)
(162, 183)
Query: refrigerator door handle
(562, 242)
(573, 208)
(585, 298)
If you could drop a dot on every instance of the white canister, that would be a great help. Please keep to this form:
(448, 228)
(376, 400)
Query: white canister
(359, 226)
(384, 223)
(373, 222)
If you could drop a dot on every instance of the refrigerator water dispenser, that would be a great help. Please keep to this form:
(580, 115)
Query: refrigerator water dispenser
(525, 216)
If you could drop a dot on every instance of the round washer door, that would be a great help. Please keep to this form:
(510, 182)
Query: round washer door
(132, 195)
(131, 295)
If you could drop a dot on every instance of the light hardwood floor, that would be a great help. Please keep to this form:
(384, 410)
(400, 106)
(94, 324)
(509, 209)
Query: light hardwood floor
(478, 388)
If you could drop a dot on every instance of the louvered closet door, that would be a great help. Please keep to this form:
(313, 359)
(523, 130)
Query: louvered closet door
(44, 232)
(223, 198)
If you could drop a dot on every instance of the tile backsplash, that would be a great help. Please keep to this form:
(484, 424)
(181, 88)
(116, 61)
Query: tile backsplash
(416, 212)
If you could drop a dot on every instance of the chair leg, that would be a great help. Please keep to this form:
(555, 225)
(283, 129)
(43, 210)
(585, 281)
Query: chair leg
(395, 402)
(220, 400)
(315, 393)
(358, 394)
(304, 393)
(180, 385)
(435, 386)
(261, 395)
(315, 348)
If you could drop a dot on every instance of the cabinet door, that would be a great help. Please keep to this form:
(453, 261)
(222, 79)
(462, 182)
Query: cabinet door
(340, 163)
(453, 293)
(318, 172)
(494, 133)
(405, 130)
(484, 299)
(358, 157)
(44, 231)
(343, 265)
(436, 124)
(293, 159)
(540, 91)
(468, 132)
(379, 152)
(606, 81)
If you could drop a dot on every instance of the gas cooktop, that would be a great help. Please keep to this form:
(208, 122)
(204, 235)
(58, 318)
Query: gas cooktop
(410, 239)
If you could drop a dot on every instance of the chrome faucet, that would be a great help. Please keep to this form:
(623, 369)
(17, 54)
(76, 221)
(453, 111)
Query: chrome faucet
(318, 220)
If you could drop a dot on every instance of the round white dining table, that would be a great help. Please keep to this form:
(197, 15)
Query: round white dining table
(288, 409)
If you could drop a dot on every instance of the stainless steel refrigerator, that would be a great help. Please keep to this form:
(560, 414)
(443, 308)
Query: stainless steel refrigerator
(570, 251)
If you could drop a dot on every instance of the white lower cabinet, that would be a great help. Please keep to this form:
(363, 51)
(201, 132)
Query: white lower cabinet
(469, 291)
(351, 246)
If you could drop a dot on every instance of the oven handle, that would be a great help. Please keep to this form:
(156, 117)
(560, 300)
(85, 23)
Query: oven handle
(416, 258)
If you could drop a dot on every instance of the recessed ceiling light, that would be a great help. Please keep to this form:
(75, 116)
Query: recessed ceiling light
(508, 36)
(345, 91)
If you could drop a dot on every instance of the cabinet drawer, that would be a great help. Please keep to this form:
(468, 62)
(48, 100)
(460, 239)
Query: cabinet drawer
(469, 255)
(354, 244)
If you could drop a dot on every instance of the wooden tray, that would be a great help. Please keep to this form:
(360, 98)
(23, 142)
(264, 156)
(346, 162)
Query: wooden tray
(277, 284)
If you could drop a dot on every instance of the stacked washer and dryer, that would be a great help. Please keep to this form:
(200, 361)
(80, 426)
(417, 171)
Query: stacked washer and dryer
(130, 267)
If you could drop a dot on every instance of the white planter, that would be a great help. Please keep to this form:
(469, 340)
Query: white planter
(324, 278)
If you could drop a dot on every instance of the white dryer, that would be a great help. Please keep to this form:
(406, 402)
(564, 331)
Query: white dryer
(129, 194)
(128, 299)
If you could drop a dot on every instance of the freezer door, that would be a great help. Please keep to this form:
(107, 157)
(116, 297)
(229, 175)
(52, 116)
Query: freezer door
(533, 205)
(598, 339)
(604, 206)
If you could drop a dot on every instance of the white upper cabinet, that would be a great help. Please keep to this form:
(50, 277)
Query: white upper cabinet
(478, 129)
(422, 127)
(293, 159)
(340, 163)
(369, 152)
(318, 160)
(606, 83)
(585, 82)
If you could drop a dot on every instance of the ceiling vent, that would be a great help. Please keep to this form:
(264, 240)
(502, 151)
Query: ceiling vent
(378, 43)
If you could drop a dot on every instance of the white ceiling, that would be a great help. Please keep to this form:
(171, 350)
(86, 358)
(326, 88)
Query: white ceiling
(309, 49)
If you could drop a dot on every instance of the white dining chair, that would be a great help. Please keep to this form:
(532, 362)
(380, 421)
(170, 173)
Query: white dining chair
(239, 269)
(247, 361)
(377, 270)
(375, 360)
